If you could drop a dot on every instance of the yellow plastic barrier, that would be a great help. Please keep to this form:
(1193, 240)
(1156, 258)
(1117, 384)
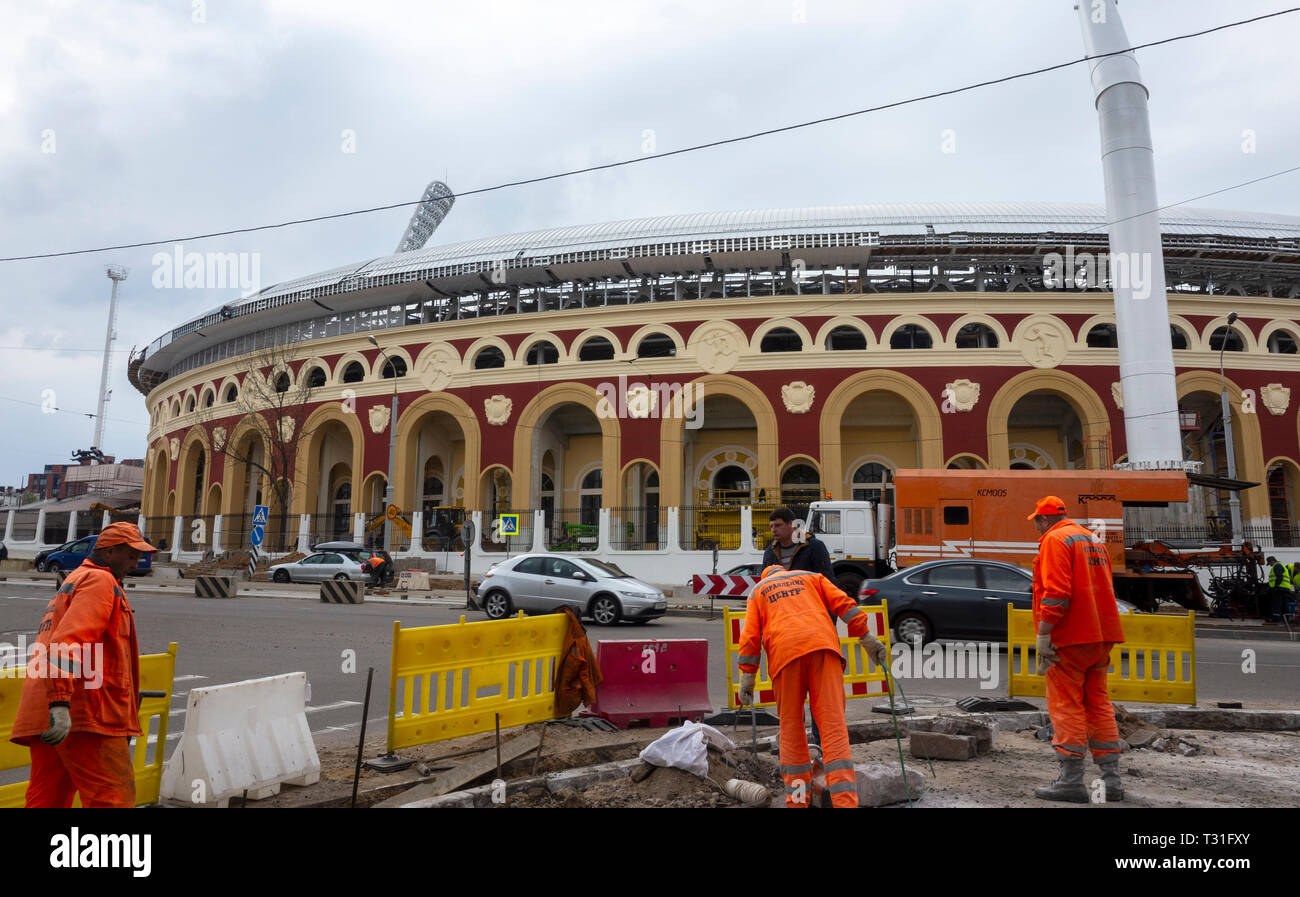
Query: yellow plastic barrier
(1156, 664)
(862, 678)
(156, 674)
(444, 671)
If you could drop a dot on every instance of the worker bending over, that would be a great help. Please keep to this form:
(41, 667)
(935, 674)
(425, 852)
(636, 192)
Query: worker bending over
(1078, 623)
(786, 617)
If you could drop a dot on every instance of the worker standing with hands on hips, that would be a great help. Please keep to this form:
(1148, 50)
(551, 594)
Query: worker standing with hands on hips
(81, 695)
(1078, 623)
(786, 616)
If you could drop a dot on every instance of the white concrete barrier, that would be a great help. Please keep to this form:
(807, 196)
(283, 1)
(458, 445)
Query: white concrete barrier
(249, 736)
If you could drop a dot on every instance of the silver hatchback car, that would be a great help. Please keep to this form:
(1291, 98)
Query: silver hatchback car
(319, 567)
(543, 583)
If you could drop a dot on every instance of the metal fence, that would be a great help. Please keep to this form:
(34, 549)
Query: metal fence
(1215, 532)
(496, 536)
(197, 532)
(640, 528)
(704, 527)
(237, 528)
(573, 529)
(158, 532)
(329, 528)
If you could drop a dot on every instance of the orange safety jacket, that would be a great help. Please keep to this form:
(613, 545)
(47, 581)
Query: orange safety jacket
(102, 691)
(1073, 588)
(786, 616)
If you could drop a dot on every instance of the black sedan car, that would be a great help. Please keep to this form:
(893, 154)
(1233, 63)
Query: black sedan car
(955, 598)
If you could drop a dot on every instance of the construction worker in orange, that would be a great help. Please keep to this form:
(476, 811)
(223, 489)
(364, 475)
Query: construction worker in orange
(786, 617)
(1078, 623)
(81, 695)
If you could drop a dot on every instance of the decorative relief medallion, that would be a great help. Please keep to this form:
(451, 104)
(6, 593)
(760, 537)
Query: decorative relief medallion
(219, 439)
(963, 394)
(718, 346)
(174, 448)
(287, 425)
(498, 409)
(798, 397)
(379, 415)
(437, 365)
(1117, 394)
(1276, 397)
(642, 401)
(1045, 342)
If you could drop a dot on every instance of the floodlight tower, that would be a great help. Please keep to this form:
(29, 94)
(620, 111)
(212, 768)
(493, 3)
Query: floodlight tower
(117, 274)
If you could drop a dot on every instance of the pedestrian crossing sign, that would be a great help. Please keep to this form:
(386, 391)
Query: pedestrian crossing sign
(509, 524)
(259, 515)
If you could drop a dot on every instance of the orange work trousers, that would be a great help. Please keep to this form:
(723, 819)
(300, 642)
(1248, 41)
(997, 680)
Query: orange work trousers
(819, 676)
(98, 767)
(1082, 716)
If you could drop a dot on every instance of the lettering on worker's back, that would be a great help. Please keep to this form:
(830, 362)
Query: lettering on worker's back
(775, 595)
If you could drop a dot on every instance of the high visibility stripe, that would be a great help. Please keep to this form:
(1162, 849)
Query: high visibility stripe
(1056, 602)
(841, 787)
(796, 770)
(839, 764)
(798, 786)
(67, 588)
(748, 658)
(1074, 750)
(1104, 745)
(1079, 537)
(850, 613)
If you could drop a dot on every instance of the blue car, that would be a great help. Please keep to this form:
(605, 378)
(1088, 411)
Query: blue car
(70, 556)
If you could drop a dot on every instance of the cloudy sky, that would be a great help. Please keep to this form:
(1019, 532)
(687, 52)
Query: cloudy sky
(132, 121)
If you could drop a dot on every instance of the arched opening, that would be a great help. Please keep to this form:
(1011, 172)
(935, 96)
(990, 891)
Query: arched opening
(800, 486)
(489, 357)
(497, 490)
(1227, 339)
(1045, 431)
(731, 485)
(232, 393)
(282, 382)
(209, 397)
(189, 405)
(589, 497)
(966, 462)
(1177, 338)
(885, 423)
(1200, 417)
(656, 345)
(315, 377)
(870, 481)
(543, 352)
(340, 508)
(354, 372)
(330, 470)
(1103, 336)
(845, 339)
(976, 336)
(567, 441)
(781, 339)
(636, 524)
(394, 366)
(435, 456)
(598, 348)
(911, 336)
(1281, 343)
(1282, 504)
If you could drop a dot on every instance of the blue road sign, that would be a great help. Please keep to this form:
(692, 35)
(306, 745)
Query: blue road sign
(257, 534)
(509, 524)
(260, 513)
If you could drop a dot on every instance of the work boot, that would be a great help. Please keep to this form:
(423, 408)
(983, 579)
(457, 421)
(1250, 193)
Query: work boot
(1068, 785)
(1110, 778)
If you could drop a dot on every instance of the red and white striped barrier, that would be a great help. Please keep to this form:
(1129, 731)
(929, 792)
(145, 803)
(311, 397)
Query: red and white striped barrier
(721, 584)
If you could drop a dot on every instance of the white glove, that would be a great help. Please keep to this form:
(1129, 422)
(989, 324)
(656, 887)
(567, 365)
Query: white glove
(747, 689)
(875, 649)
(1044, 653)
(60, 724)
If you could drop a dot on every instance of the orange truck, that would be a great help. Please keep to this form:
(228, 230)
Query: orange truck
(981, 514)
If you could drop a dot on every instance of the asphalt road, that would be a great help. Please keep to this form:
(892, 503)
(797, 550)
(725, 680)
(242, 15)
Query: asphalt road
(246, 638)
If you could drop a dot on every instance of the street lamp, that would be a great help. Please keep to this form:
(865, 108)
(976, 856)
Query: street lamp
(392, 449)
(1234, 502)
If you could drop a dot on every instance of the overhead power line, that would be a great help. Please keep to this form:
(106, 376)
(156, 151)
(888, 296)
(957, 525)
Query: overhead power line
(653, 157)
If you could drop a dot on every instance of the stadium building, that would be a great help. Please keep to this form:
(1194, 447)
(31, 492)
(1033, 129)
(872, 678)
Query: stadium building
(630, 385)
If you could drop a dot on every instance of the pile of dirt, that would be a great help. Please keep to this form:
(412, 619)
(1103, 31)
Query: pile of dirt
(236, 560)
(667, 787)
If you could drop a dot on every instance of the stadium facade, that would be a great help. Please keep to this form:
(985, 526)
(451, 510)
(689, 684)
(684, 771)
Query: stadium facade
(658, 368)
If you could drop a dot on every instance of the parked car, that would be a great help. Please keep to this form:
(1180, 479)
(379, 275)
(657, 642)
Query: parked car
(954, 599)
(70, 556)
(543, 583)
(43, 556)
(321, 566)
(359, 553)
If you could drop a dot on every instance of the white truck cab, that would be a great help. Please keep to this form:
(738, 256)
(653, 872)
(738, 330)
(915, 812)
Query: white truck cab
(857, 536)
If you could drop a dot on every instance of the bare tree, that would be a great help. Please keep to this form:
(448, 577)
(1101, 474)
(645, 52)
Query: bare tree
(273, 402)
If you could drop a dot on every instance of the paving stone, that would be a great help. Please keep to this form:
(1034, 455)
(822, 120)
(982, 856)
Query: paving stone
(938, 746)
(958, 725)
(880, 784)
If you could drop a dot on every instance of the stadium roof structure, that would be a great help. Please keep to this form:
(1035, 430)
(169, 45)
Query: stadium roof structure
(887, 247)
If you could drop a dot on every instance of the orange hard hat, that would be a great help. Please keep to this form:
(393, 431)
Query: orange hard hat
(1049, 505)
(122, 534)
